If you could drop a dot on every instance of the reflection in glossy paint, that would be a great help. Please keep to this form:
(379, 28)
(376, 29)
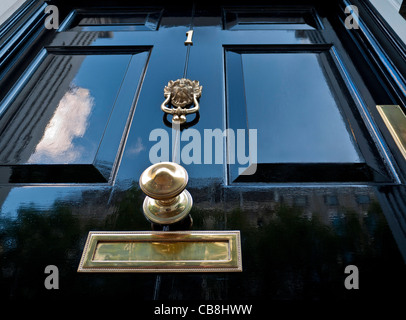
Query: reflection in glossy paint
(69, 121)
(66, 126)
(298, 117)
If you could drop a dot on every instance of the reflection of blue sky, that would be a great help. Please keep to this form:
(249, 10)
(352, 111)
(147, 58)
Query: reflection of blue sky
(295, 112)
(76, 128)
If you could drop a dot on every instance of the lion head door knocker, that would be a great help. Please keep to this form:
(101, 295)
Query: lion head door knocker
(183, 95)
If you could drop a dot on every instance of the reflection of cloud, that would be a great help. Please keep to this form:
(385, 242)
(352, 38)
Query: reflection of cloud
(137, 148)
(69, 121)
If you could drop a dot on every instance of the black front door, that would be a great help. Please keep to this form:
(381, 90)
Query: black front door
(288, 147)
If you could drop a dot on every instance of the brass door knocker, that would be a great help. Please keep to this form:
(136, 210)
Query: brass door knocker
(181, 94)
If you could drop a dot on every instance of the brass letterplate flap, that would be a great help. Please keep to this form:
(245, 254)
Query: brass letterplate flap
(154, 251)
(395, 120)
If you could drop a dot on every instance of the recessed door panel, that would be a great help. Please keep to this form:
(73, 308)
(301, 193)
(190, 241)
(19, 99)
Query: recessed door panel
(270, 18)
(290, 97)
(62, 127)
(116, 20)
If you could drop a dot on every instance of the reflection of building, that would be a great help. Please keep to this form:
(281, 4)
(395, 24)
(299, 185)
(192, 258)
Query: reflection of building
(325, 203)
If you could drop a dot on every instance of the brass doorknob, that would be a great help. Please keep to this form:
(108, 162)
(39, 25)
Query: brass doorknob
(167, 200)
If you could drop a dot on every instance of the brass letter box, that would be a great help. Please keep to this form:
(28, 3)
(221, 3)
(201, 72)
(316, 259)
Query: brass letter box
(153, 251)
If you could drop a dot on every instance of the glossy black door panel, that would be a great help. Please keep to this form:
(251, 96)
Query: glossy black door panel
(64, 131)
(114, 20)
(299, 116)
(272, 18)
(295, 100)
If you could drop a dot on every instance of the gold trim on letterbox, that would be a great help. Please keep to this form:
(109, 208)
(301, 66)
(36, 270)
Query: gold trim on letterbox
(155, 251)
(395, 121)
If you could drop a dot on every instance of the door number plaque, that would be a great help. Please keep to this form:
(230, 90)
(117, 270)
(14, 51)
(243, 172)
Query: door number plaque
(155, 251)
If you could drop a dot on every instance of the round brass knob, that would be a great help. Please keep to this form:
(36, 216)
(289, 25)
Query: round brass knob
(163, 180)
(167, 201)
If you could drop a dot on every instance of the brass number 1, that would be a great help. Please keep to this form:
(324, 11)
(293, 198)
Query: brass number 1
(189, 35)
